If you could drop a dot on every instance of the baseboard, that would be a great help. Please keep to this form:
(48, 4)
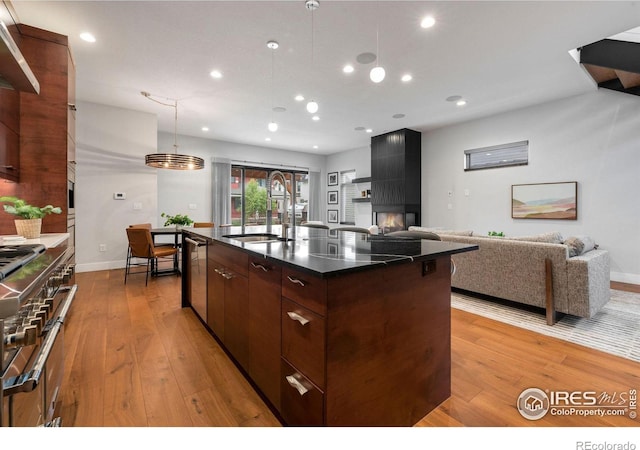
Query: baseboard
(622, 277)
(104, 265)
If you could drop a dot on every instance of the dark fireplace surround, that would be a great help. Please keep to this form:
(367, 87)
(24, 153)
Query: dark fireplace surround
(395, 179)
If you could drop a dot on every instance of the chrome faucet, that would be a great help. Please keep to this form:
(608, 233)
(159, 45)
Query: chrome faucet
(285, 223)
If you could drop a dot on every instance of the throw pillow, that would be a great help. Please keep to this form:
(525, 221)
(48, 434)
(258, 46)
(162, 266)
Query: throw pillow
(579, 245)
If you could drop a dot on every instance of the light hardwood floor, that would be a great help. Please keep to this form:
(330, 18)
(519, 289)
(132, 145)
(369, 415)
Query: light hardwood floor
(134, 357)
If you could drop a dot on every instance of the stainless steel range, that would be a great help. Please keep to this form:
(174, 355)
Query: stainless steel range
(36, 292)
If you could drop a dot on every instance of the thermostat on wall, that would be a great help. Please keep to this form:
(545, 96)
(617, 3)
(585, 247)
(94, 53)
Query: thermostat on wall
(119, 195)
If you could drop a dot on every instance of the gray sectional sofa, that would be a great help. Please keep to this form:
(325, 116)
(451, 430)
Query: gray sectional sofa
(534, 270)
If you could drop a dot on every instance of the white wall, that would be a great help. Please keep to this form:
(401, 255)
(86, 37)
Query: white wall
(358, 159)
(592, 139)
(110, 148)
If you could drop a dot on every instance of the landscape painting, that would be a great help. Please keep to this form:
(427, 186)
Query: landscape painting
(545, 201)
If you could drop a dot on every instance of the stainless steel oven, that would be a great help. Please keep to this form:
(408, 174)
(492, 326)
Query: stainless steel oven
(35, 298)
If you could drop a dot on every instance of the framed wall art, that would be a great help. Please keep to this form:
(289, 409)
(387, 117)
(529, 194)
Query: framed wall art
(332, 216)
(332, 179)
(557, 201)
(332, 197)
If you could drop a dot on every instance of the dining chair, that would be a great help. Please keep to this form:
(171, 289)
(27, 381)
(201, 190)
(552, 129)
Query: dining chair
(314, 225)
(354, 229)
(415, 234)
(141, 225)
(203, 224)
(149, 227)
(421, 235)
(141, 246)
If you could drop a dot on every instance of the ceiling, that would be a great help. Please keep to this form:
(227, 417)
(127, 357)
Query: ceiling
(498, 56)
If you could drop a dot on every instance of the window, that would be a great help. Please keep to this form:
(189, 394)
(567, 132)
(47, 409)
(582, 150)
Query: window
(347, 193)
(505, 155)
(249, 194)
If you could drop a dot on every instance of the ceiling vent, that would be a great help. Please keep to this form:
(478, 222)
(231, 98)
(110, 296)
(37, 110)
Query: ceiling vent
(613, 64)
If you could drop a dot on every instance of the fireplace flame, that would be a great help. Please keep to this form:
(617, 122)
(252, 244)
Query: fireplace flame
(391, 221)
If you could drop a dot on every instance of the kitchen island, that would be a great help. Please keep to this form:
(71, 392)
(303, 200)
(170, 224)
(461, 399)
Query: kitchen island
(332, 328)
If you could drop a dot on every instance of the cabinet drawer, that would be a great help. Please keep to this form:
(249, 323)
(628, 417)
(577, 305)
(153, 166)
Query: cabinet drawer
(303, 343)
(305, 289)
(302, 403)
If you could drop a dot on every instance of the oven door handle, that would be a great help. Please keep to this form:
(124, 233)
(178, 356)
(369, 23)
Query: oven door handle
(28, 381)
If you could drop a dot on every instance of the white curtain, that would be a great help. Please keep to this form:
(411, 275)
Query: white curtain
(221, 191)
(315, 196)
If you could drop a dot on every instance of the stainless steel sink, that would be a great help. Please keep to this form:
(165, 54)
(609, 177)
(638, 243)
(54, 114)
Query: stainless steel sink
(259, 237)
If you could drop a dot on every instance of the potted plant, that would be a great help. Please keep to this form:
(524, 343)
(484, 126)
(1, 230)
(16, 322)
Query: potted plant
(29, 223)
(178, 220)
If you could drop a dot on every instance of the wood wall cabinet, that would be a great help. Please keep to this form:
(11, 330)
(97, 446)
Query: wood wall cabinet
(44, 130)
(9, 134)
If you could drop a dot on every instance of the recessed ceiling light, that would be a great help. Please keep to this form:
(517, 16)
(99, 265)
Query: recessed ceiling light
(315, 146)
(216, 74)
(398, 116)
(205, 128)
(406, 77)
(454, 98)
(348, 68)
(461, 102)
(359, 128)
(88, 37)
(369, 130)
(316, 118)
(267, 139)
(428, 22)
(279, 109)
(299, 98)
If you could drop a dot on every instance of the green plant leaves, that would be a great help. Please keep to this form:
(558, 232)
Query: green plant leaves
(20, 208)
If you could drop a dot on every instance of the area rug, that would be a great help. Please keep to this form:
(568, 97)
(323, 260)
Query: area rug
(615, 329)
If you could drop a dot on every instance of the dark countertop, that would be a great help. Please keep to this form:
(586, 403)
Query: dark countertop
(327, 253)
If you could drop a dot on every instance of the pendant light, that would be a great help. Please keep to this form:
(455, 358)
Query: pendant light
(272, 45)
(377, 74)
(312, 5)
(173, 160)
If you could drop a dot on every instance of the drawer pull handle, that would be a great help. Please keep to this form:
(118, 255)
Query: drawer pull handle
(297, 385)
(298, 317)
(259, 266)
(223, 273)
(295, 280)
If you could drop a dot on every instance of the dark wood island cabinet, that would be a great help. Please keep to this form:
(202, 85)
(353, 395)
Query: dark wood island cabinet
(334, 329)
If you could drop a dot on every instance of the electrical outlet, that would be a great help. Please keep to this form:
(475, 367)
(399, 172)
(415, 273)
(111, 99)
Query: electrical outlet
(102, 247)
